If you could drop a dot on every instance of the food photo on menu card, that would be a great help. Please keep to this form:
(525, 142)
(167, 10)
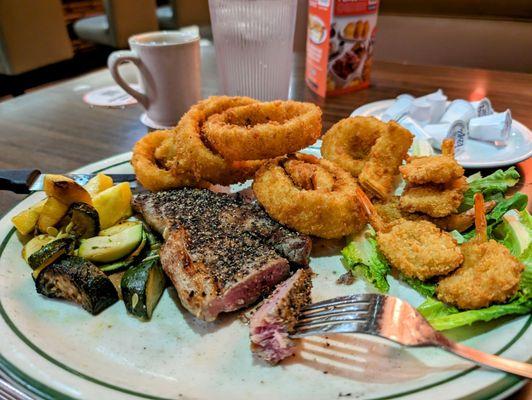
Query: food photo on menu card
(265, 199)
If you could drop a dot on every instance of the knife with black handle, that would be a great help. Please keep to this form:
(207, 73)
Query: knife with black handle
(26, 181)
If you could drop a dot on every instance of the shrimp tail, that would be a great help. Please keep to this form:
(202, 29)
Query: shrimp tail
(481, 225)
(374, 218)
(447, 148)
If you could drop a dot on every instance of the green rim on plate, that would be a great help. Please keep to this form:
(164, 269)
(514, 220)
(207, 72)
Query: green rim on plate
(497, 388)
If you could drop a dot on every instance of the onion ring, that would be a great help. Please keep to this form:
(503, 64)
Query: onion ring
(260, 131)
(194, 155)
(349, 141)
(382, 166)
(310, 195)
(152, 172)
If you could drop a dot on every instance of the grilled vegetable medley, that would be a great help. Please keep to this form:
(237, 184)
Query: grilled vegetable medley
(83, 245)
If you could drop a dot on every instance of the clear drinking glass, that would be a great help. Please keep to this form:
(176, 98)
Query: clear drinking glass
(253, 41)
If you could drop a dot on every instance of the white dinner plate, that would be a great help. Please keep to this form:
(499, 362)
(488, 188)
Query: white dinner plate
(477, 154)
(57, 350)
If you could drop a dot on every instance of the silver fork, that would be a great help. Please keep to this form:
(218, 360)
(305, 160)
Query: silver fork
(393, 319)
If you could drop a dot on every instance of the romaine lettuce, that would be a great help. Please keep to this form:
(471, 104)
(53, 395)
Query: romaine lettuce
(518, 201)
(492, 186)
(443, 317)
(362, 254)
(515, 232)
(426, 289)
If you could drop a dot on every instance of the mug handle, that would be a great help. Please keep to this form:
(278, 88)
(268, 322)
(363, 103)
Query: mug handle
(114, 61)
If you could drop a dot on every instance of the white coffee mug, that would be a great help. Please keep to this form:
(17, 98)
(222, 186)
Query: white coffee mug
(169, 70)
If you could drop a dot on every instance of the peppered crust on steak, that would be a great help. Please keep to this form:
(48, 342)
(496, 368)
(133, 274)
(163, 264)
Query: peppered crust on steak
(221, 252)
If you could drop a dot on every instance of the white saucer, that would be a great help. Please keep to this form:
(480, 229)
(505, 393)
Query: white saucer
(477, 154)
(151, 124)
(110, 97)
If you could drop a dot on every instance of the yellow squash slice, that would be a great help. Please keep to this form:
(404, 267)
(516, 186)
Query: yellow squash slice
(98, 184)
(52, 212)
(26, 220)
(65, 190)
(113, 204)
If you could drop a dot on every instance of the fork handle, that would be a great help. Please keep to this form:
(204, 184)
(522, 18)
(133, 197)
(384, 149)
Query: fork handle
(490, 360)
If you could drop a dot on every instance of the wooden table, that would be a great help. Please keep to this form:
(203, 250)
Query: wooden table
(54, 130)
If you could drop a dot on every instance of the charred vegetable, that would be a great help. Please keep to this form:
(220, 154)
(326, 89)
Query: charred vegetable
(78, 280)
(65, 190)
(142, 287)
(116, 280)
(35, 244)
(153, 242)
(81, 221)
(49, 253)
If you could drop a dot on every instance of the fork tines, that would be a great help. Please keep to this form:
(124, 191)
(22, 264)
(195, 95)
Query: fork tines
(342, 314)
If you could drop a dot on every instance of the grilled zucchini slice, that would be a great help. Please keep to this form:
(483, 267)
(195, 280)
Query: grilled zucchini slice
(153, 241)
(113, 230)
(49, 253)
(142, 287)
(128, 262)
(81, 221)
(105, 249)
(78, 280)
(116, 279)
(35, 244)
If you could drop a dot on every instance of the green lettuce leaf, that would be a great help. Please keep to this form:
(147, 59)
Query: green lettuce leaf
(492, 186)
(525, 286)
(518, 201)
(432, 309)
(362, 255)
(515, 232)
(422, 147)
(426, 289)
(458, 236)
(443, 317)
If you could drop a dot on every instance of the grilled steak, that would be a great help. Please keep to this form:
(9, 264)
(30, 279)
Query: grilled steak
(221, 252)
(275, 319)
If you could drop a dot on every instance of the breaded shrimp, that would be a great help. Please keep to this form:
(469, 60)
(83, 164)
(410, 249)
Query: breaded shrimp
(433, 169)
(434, 200)
(308, 176)
(390, 211)
(462, 221)
(489, 274)
(382, 166)
(418, 249)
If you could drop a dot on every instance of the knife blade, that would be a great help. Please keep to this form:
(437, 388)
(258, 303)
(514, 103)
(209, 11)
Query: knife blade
(26, 181)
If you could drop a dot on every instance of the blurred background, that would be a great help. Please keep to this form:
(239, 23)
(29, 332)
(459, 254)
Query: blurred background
(45, 41)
